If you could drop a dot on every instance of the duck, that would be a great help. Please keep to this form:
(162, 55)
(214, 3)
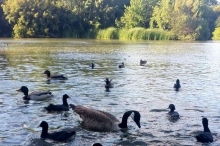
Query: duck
(172, 114)
(59, 107)
(108, 83)
(97, 120)
(206, 135)
(122, 65)
(59, 136)
(177, 86)
(97, 144)
(143, 62)
(55, 77)
(92, 65)
(36, 95)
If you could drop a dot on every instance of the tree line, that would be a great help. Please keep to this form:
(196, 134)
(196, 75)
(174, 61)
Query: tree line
(143, 19)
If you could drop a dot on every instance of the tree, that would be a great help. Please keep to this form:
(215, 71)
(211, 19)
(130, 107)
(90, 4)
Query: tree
(188, 19)
(134, 15)
(216, 34)
(5, 28)
(161, 15)
(34, 18)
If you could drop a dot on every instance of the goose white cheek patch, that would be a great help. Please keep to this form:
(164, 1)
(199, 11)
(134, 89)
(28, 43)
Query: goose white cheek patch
(132, 115)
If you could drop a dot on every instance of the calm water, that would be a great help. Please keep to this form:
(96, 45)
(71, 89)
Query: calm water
(142, 88)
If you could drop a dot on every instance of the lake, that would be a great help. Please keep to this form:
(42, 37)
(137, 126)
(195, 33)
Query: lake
(147, 89)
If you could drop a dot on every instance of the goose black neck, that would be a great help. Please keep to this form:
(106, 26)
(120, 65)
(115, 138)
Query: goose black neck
(25, 97)
(44, 132)
(123, 123)
(65, 102)
(171, 110)
(48, 74)
(25, 93)
(206, 128)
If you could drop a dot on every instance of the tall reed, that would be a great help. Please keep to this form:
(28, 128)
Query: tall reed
(137, 33)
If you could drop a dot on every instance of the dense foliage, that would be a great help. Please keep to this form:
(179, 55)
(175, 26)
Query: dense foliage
(111, 19)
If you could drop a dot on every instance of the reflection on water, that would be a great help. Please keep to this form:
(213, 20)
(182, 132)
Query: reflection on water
(147, 89)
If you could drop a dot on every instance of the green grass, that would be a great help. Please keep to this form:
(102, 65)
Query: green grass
(109, 33)
(137, 33)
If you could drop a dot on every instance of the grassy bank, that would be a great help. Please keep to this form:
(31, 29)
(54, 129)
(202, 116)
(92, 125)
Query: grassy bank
(135, 34)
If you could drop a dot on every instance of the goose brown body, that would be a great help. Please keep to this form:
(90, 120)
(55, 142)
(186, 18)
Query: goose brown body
(97, 120)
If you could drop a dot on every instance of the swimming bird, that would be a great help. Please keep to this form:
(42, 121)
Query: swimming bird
(122, 65)
(206, 135)
(97, 144)
(36, 95)
(97, 120)
(92, 65)
(108, 83)
(177, 85)
(60, 136)
(54, 77)
(59, 107)
(143, 62)
(172, 114)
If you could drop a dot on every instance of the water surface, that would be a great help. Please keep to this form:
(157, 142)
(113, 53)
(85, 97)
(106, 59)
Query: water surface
(147, 89)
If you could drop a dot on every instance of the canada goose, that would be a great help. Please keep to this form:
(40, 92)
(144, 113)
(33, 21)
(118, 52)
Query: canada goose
(143, 62)
(172, 114)
(122, 65)
(59, 107)
(206, 135)
(108, 83)
(60, 136)
(36, 95)
(97, 120)
(54, 77)
(177, 85)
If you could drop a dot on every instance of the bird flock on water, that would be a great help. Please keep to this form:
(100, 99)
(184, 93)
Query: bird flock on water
(96, 120)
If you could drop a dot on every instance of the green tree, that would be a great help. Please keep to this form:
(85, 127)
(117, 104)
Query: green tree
(34, 18)
(216, 34)
(189, 19)
(5, 28)
(134, 15)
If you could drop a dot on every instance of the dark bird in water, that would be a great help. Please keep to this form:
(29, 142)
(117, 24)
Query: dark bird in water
(59, 107)
(206, 135)
(97, 144)
(122, 65)
(36, 95)
(172, 114)
(97, 120)
(92, 65)
(108, 83)
(60, 136)
(177, 86)
(54, 77)
(143, 62)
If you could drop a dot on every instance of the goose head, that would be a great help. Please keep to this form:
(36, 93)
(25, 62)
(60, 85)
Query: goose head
(65, 96)
(44, 126)
(23, 89)
(47, 72)
(135, 115)
(205, 124)
(171, 107)
(177, 81)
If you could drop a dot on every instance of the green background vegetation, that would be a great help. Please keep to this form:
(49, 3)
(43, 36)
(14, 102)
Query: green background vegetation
(111, 19)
